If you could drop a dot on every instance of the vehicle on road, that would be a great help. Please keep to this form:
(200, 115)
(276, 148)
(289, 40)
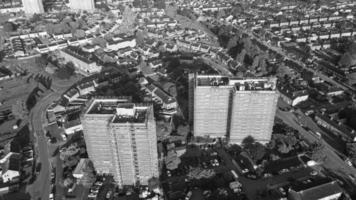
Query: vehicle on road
(316, 134)
(234, 174)
(189, 195)
(108, 194)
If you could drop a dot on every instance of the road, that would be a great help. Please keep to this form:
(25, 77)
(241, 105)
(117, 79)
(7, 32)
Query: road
(333, 161)
(284, 55)
(40, 189)
(222, 69)
(59, 178)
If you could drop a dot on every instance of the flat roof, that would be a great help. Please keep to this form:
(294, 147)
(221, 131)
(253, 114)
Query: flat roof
(139, 114)
(240, 84)
(105, 105)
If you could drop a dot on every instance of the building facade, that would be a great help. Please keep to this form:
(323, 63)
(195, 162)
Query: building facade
(83, 65)
(234, 108)
(121, 140)
(82, 4)
(32, 6)
(253, 113)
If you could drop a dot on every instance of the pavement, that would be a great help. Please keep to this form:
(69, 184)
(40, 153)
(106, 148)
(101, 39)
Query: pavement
(40, 189)
(332, 162)
(284, 55)
(222, 69)
(59, 178)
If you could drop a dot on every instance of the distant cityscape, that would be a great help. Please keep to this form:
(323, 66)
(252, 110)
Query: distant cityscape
(177, 100)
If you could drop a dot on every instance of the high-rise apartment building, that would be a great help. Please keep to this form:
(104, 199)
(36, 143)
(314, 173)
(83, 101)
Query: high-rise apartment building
(121, 140)
(254, 104)
(32, 6)
(81, 4)
(234, 108)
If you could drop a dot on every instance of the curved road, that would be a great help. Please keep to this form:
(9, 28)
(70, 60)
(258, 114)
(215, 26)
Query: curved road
(40, 189)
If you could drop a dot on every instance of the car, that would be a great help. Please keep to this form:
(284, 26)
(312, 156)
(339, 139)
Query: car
(98, 183)
(251, 176)
(214, 153)
(92, 195)
(108, 194)
(283, 171)
(314, 173)
(189, 194)
(348, 162)
(169, 173)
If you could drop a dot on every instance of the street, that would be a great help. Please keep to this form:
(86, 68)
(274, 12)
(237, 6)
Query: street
(218, 67)
(333, 161)
(40, 189)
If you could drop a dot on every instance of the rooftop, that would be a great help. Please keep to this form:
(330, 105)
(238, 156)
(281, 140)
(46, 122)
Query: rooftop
(317, 188)
(240, 84)
(130, 113)
(106, 105)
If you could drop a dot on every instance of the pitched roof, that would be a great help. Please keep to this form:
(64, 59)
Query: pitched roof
(317, 189)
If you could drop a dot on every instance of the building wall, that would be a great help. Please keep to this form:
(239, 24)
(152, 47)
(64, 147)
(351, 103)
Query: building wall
(82, 4)
(211, 108)
(32, 6)
(82, 67)
(97, 139)
(191, 83)
(122, 44)
(135, 156)
(253, 114)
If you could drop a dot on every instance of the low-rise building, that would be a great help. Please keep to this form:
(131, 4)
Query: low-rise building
(324, 188)
(79, 170)
(82, 62)
(335, 127)
(120, 42)
(292, 95)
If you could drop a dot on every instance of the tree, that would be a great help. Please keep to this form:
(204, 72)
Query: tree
(221, 13)
(317, 152)
(248, 141)
(2, 55)
(153, 183)
(66, 71)
(257, 151)
(171, 11)
(9, 27)
(140, 37)
(79, 33)
(73, 25)
(50, 28)
(111, 15)
(307, 75)
(129, 18)
(19, 109)
(351, 151)
(99, 41)
(349, 58)
(35, 17)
